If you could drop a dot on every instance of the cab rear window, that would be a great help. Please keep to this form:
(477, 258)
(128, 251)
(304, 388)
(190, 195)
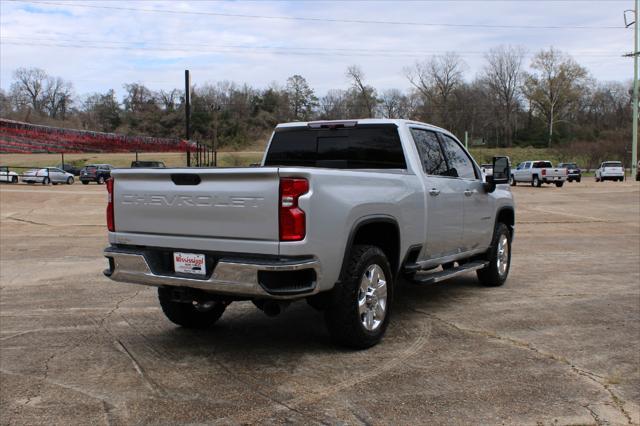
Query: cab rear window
(360, 147)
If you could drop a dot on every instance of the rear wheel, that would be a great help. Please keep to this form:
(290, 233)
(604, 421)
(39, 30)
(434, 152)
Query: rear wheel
(14, 179)
(499, 257)
(559, 184)
(100, 180)
(84, 182)
(196, 314)
(536, 181)
(46, 181)
(512, 181)
(69, 180)
(361, 304)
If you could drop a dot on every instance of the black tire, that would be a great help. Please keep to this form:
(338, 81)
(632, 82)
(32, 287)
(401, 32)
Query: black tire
(84, 182)
(512, 181)
(69, 180)
(342, 317)
(188, 315)
(100, 180)
(535, 181)
(46, 181)
(559, 184)
(578, 180)
(491, 276)
(14, 179)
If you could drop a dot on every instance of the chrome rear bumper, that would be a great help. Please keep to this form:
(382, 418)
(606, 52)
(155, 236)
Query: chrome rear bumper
(230, 276)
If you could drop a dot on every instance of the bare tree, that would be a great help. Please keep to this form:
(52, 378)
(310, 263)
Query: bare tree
(437, 79)
(169, 100)
(555, 86)
(29, 88)
(333, 105)
(57, 97)
(365, 98)
(503, 77)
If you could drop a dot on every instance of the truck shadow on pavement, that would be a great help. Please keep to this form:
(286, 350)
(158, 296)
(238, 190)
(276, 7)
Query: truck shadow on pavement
(300, 328)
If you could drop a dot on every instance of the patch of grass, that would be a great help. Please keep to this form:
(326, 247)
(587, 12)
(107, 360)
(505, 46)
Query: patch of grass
(518, 155)
(171, 159)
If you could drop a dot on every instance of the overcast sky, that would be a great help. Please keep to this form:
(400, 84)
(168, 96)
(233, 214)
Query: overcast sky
(102, 45)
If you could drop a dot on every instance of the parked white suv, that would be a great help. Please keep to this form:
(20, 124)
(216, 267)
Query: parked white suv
(610, 170)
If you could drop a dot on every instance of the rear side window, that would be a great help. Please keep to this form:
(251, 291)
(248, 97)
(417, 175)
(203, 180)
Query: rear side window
(433, 162)
(360, 147)
(542, 165)
(460, 165)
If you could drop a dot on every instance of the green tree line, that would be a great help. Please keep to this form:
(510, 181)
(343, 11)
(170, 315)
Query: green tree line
(548, 101)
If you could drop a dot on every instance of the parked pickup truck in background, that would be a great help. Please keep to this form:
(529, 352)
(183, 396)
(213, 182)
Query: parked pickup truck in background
(610, 170)
(573, 171)
(335, 214)
(538, 172)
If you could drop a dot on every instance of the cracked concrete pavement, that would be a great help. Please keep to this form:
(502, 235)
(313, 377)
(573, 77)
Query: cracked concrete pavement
(558, 344)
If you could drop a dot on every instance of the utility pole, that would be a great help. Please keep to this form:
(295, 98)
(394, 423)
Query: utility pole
(187, 112)
(635, 54)
(634, 141)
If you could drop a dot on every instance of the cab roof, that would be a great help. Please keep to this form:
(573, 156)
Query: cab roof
(397, 122)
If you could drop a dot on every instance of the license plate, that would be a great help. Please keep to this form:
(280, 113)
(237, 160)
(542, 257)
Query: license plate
(189, 263)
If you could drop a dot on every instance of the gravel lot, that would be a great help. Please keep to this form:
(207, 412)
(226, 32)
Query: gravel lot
(558, 344)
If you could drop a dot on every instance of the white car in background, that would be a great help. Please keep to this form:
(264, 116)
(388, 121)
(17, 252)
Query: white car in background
(8, 176)
(610, 170)
(47, 175)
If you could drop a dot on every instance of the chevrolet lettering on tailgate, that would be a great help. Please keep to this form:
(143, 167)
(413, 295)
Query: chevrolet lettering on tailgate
(190, 200)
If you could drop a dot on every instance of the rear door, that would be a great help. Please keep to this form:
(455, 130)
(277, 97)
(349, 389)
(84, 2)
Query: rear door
(443, 198)
(56, 175)
(478, 205)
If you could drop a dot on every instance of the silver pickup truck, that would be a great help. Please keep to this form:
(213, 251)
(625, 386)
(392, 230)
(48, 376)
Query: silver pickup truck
(337, 212)
(538, 172)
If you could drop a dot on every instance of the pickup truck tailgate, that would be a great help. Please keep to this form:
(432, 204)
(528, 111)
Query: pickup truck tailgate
(224, 204)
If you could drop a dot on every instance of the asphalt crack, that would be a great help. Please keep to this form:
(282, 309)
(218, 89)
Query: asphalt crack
(32, 222)
(149, 383)
(46, 365)
(618, 403)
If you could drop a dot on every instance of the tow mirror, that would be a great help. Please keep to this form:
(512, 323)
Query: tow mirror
(501, 173)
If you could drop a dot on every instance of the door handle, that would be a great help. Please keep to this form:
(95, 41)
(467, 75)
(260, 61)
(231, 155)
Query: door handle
(469, 192)
(434, 192)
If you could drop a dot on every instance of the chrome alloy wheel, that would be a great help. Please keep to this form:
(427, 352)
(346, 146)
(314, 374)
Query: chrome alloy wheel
(503, 255)
(372, 297)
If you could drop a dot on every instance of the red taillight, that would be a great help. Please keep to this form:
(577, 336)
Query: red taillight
(544, 172)
(111, 226)
(293, 225)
